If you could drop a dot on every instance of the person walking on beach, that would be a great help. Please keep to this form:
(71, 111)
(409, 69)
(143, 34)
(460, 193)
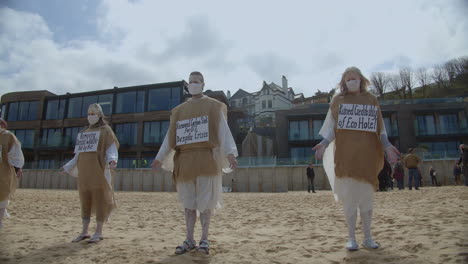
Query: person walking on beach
(310, 178)
(385, 176)
(96, 152)
(197, 146)
(353, 149)
(11, 164)
(412, 162)
(399, 174)
(464, 161)
(457, 173)
(433, 174)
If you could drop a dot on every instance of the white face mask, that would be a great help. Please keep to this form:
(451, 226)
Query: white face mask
(195, 88)
(93, 119)
(353, 85)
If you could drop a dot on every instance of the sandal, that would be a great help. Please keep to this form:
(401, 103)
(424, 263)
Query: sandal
(204, 247)
(95, 239)
(186, 246)
(80, 238)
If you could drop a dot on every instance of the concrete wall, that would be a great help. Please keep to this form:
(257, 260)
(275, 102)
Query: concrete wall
(265, 179)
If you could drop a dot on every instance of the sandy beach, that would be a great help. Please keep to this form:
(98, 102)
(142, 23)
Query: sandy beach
(426, 226)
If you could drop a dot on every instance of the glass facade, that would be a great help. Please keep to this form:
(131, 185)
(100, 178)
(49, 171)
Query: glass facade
(78, 106)
(299, 130)
(164, 98)
(304, 154)
(154, 132)
(70, 135)
(26, 137)
(425, 125)
(448, 124)
(51, 137)
(46, 164)
(23, 111)
(130, 102)
(3, 111)
(55, 109)
(127, 133)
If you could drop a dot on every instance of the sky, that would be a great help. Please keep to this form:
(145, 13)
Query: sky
(77, 46)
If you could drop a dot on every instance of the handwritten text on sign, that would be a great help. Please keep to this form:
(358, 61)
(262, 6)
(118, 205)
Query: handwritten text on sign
(358, 117)
(87, 142)
(192, 130)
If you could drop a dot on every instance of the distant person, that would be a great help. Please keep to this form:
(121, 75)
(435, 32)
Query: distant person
(433, 174)
(464, 161)
(399, 174)
(457, 173)
(411, 162)
(11, 164)
(420, 177)
(385, 176)
(310, 178)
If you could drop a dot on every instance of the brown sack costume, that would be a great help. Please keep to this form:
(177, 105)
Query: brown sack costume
(358, 154)
(196, 159)
(8, 179)
(96, 194)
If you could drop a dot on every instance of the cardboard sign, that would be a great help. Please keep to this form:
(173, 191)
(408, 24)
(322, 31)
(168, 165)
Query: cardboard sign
(87, 142)
(192, 130)
(357, 117)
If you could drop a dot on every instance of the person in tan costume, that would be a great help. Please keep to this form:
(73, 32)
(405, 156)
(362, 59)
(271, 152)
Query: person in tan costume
(353, 151)
(197, 148)
(11, 164)
(92, 168)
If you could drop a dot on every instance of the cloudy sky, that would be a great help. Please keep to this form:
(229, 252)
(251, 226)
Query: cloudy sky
(75, 46)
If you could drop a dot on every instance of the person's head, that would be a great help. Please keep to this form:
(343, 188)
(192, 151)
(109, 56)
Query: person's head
(95, 114)
(3, 123)
(353, 81)
(196, 83)
(311, 165)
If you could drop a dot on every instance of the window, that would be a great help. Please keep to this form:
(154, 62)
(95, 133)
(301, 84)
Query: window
(388, 125)
(55, 109)
(269, 104)
(23, 111)
(448, 124)
(233, 103)
(441, 149)
(78, 106)
(299, 130)
(130, 102)
(74, 107)
(25, 136)
(244, 101)
(263, 104)
(155, 132)
(51, 137)
(425, 125)
(70, 136)
(164, 98)
(302, 154)
(317, 125)
(3, 111)
(126, 133)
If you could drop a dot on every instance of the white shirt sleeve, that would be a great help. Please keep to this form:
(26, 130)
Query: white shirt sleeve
(164, 149)
(15, 156)
(71, 164)
(226, 141)
(112, 154)
(328, 128)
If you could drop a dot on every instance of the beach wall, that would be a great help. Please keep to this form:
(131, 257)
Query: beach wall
(260, 179)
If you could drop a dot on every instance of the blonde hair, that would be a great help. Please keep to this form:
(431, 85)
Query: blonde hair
(364, 81)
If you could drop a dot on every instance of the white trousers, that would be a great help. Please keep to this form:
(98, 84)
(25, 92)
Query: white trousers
(202, 193)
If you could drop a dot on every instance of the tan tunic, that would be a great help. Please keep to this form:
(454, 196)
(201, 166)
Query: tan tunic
(358, 154)
(8, 178)
(96, 194)
(411, 161)
(196, 159)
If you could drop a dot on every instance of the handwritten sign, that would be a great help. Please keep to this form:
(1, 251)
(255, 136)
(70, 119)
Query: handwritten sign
(357, 117)
(87, 142)
(192, 130)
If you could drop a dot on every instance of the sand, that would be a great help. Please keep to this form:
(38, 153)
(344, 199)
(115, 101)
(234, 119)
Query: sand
(426, 226)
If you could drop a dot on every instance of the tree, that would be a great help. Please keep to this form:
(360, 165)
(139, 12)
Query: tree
(439, 75)
(396, 85)
(423, 79)
(407, 79)
(380, 80)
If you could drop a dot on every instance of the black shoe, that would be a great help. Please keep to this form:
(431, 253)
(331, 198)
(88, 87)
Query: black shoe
(410, 188)
(313, 191)
(417, 188)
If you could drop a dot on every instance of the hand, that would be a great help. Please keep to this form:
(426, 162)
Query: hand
(392, 154)
(232, 161)
(156, 164)
(113, 164)
(19, 173)
(62, 171)
(319, 150)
